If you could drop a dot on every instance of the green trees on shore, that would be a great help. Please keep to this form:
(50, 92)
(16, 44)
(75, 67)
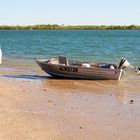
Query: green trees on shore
(76, 27)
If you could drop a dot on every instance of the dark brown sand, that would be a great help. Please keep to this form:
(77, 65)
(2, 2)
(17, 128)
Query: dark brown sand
(36, 108)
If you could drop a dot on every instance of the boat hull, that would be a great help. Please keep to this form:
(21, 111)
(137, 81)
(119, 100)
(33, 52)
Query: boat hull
(78, 72)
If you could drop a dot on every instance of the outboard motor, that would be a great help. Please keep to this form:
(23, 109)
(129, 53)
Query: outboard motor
(121, 63)
(125, 64)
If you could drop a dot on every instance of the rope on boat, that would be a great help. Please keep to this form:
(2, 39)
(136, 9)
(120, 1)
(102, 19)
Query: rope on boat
(135, 70)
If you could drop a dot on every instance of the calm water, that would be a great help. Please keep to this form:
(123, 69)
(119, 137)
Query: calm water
(94, 45)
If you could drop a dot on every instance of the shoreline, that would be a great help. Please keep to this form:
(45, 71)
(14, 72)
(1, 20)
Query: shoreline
(36, 107)
(69, 27)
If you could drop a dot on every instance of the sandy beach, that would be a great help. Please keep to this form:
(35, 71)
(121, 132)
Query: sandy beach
(34, 107)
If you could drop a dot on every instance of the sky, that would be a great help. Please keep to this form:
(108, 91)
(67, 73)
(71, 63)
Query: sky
(70, 12)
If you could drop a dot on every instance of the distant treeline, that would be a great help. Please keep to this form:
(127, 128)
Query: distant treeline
(76, 27)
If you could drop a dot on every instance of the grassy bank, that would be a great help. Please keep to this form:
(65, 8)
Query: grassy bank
(77, 27)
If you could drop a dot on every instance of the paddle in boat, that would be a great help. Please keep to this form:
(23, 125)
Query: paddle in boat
(64, 68)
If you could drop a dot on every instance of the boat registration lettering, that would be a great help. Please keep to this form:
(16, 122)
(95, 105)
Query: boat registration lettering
(68, 69)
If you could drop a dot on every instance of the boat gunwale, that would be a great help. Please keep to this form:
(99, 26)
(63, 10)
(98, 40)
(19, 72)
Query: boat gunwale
(76, 66)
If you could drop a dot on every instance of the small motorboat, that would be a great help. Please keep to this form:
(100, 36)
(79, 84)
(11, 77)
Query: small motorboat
(65, 68)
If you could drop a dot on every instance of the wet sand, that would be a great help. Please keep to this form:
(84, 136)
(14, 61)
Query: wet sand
(34, 107)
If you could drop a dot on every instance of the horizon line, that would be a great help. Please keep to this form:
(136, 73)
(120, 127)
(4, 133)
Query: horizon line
(71, 24)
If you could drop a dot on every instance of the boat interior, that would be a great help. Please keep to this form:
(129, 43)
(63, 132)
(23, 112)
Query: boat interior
(64, 61)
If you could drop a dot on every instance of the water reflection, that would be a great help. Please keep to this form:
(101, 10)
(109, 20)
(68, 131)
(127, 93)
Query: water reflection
(121, 90)
(125, 89)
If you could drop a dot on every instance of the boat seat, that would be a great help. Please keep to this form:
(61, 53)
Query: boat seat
(63, 60)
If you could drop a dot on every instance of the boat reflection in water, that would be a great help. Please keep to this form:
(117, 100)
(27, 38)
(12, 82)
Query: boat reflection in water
(123, 90)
